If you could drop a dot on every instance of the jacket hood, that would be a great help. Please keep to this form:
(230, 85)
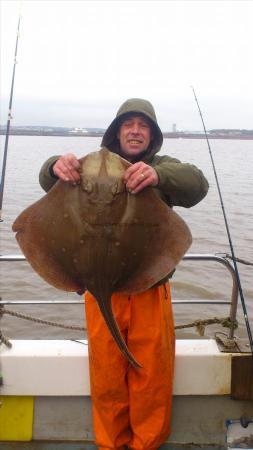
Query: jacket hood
(128, 108)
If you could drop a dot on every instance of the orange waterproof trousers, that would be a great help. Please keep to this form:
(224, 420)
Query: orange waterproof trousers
(132, 407)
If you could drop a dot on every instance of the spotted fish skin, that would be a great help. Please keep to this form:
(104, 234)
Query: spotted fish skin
(98, 236)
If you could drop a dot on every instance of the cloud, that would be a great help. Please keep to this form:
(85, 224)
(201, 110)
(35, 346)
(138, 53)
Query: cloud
(79, 60)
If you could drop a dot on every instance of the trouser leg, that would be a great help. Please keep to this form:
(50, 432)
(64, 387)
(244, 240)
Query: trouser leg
(108, 368)
(152, 342)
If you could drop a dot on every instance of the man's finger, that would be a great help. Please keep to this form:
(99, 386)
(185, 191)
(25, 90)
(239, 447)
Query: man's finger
(145, 183)
(65, 174)
(134, 180)
(132, 170)
(67, 168)
(74, 174)
(138, 177)
(72, 162)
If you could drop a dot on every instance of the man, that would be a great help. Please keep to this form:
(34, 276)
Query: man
(132, 407)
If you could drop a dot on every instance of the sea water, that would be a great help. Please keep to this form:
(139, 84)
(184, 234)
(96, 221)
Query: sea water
(192, 280)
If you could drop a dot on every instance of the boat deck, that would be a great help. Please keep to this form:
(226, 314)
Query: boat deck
(85, 446)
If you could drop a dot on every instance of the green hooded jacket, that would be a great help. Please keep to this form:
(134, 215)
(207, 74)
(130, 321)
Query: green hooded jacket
(180, 184)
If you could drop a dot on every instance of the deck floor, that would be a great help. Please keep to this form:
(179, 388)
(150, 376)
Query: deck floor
(36, 445)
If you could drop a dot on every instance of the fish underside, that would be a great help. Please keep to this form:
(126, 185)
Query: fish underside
(99, 237)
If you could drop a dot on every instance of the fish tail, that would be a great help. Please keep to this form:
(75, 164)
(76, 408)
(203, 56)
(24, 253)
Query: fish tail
(106, 310)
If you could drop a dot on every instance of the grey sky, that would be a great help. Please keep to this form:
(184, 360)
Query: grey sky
(79, 60)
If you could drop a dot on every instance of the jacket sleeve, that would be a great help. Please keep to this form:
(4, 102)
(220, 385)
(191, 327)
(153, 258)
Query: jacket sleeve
(182, 184)
(46, 177)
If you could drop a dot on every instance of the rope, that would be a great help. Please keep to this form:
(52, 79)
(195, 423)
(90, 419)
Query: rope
(223, 339)
(242, 261)
(201, 324)
(36, 320)
(198, 324)
(4, 340)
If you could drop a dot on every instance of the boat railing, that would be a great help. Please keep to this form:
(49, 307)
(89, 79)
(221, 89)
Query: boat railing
(218, 258)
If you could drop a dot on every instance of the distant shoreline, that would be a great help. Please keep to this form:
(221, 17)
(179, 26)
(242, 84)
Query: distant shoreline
(166, 135)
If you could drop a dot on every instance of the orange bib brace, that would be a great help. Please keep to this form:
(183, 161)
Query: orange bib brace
(132, 407)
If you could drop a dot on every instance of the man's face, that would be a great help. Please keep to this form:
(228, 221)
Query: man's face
(134, 135)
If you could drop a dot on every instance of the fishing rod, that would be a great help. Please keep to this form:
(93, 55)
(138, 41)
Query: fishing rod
(8, 123)
(228, 232)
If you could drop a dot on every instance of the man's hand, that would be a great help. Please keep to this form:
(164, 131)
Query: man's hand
(139, 176)
(67, 168)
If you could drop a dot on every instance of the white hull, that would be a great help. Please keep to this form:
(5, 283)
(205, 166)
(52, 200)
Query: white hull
(50, 381)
